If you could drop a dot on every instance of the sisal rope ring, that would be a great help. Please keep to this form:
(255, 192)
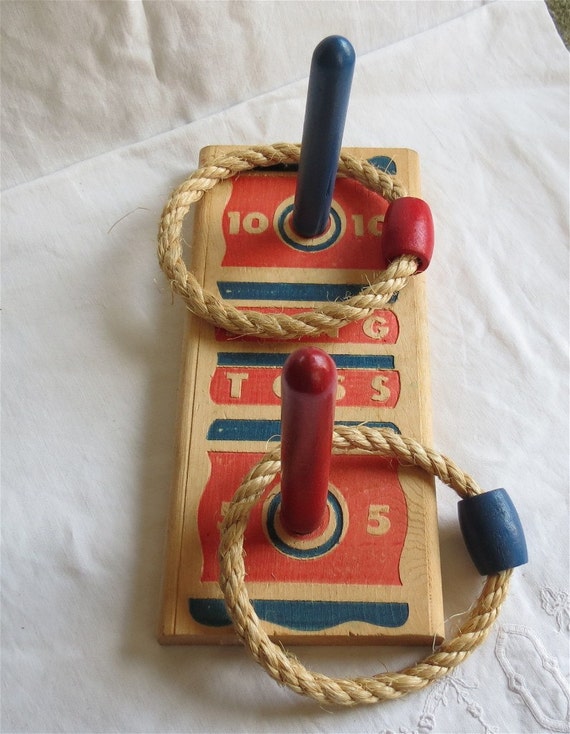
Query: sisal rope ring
(284, 667)
(329, 316)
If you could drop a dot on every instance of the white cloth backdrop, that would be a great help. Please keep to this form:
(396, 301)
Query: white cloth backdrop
(105, 108)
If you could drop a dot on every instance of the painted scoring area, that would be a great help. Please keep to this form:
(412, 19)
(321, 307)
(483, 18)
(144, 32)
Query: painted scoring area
(257, 232)
(375, 520)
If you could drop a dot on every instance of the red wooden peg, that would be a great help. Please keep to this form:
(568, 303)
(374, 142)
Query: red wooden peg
(308, 394)
(408, 230)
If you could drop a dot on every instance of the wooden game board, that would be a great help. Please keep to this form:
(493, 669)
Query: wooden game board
(373, 574)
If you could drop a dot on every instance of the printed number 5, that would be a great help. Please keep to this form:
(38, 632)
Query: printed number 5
(378, 522)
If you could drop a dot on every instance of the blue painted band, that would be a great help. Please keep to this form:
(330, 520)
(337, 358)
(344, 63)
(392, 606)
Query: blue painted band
(238, 290)
(237, 429)
(303, 247)
(272, 359)
(305, 616)
(258, 291)
(305, 553)
(371, 424)
(492, 532)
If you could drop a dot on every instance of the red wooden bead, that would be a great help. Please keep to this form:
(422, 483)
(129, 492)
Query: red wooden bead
(408, 230)
(308, 395)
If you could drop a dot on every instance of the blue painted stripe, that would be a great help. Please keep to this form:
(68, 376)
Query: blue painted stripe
(371, 424)
(238, 290)
(305, 616)
(278, 359)
(316, 551)
(236, 429)
(384, 163)
(256, 291)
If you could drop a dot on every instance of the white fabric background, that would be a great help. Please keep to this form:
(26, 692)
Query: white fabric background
(105, 108)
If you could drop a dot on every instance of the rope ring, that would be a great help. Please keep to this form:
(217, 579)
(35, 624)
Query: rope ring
(330, 316)
(284, 667)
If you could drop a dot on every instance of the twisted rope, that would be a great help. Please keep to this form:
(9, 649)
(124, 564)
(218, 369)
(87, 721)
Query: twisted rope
(330, 316)
(285, 668)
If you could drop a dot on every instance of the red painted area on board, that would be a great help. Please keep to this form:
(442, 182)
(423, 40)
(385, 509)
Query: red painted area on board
(250, 228)
(374, 497)
(381, 327)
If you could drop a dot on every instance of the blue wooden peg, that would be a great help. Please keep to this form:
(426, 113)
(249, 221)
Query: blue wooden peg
(330, 80)
(492, 532)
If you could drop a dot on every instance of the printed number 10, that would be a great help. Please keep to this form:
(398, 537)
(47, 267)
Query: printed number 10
(257, 223)
(253, 223)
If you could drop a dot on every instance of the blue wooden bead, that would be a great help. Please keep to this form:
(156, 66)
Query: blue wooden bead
(492, 532)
